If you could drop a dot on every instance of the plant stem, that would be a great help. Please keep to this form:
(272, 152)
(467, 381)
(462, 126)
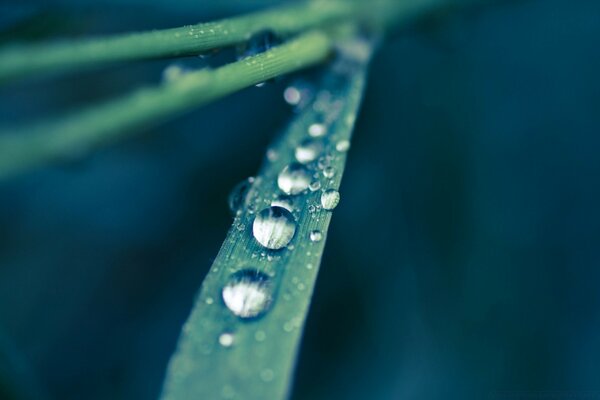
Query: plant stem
(73, 54)
(25, 148)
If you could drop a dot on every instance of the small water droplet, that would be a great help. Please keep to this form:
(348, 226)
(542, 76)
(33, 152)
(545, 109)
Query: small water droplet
(317, 130)
(316, 236)
(258, 43)
(330, 199)
(209, 300)
(274, 227)
(342, 146)
(315, 185)
(272, 155)
(299, 94)
(292, 95)
(226, 339)
(248, 293)
(294, 179)
(260, 336)
(237, 196)
(328, 172)
(173, 72)
(267, 375)
(308, 150)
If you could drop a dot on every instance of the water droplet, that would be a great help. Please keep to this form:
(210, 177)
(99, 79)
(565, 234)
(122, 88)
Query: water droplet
(238, 195)
(293, 179)
(299, 94)
(292, 95)
(330, 199)
(328, 172)
(173, 72)
(248, 293)
(258, 43)
(317, 130)
(272, 155)
(267, 375)
(308, 150)
(226, 339)
(342, 146)
(274, 227)
(316, 236)
(260, 336)
(315, 185)
(209, 300)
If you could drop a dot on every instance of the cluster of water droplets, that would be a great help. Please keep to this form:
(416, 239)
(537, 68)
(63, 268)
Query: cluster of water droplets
(305, 184)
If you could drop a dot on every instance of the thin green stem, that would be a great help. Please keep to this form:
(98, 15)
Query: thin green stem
(24, 148)
(194, 39)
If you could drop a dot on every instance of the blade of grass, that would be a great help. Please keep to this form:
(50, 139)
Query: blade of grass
(27, 147)
(257, 359)
(70, 54)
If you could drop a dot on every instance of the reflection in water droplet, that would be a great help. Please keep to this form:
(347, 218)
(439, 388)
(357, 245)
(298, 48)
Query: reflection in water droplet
(328, 172)
(342, 146)
(293, 179)
(248, 293)
(316, 236)
(308, 150)
(226, 339)
(317, 130)
(238, 194)
(330, 199)
(274, 227)
(285, 202)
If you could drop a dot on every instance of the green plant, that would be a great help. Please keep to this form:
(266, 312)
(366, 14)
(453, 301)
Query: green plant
(225, 350)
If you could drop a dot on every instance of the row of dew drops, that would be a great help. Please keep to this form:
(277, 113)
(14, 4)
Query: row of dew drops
(248, 293)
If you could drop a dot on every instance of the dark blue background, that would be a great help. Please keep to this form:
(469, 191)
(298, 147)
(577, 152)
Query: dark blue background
(463, 258)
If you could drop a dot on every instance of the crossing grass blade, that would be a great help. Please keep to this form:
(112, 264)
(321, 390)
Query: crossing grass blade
(257, 359)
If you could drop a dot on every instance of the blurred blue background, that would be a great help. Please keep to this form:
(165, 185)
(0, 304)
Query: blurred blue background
(463, 259)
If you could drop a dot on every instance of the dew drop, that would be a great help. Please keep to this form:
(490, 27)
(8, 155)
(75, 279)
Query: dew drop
(315, 185)
(315, 236)
(260, 336)
(274, 227)
(226, 339)
(342, 146)
(308, 150)
(248, 293)
(299, 94)
(330, 199)
(258, 43)
(237, 196)
(293, 179)
(317, 130)
(292, 96)
(267, 375)
(328, 172)
(272, 155)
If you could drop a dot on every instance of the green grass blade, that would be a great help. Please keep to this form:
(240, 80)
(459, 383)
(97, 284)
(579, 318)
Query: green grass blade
(73, 54)
(259, 362)
(21, 149)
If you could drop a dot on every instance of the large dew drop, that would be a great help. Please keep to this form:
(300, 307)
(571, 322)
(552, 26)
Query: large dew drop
(294, 179)
(248, 293)
(274, 227)
(330, 199)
